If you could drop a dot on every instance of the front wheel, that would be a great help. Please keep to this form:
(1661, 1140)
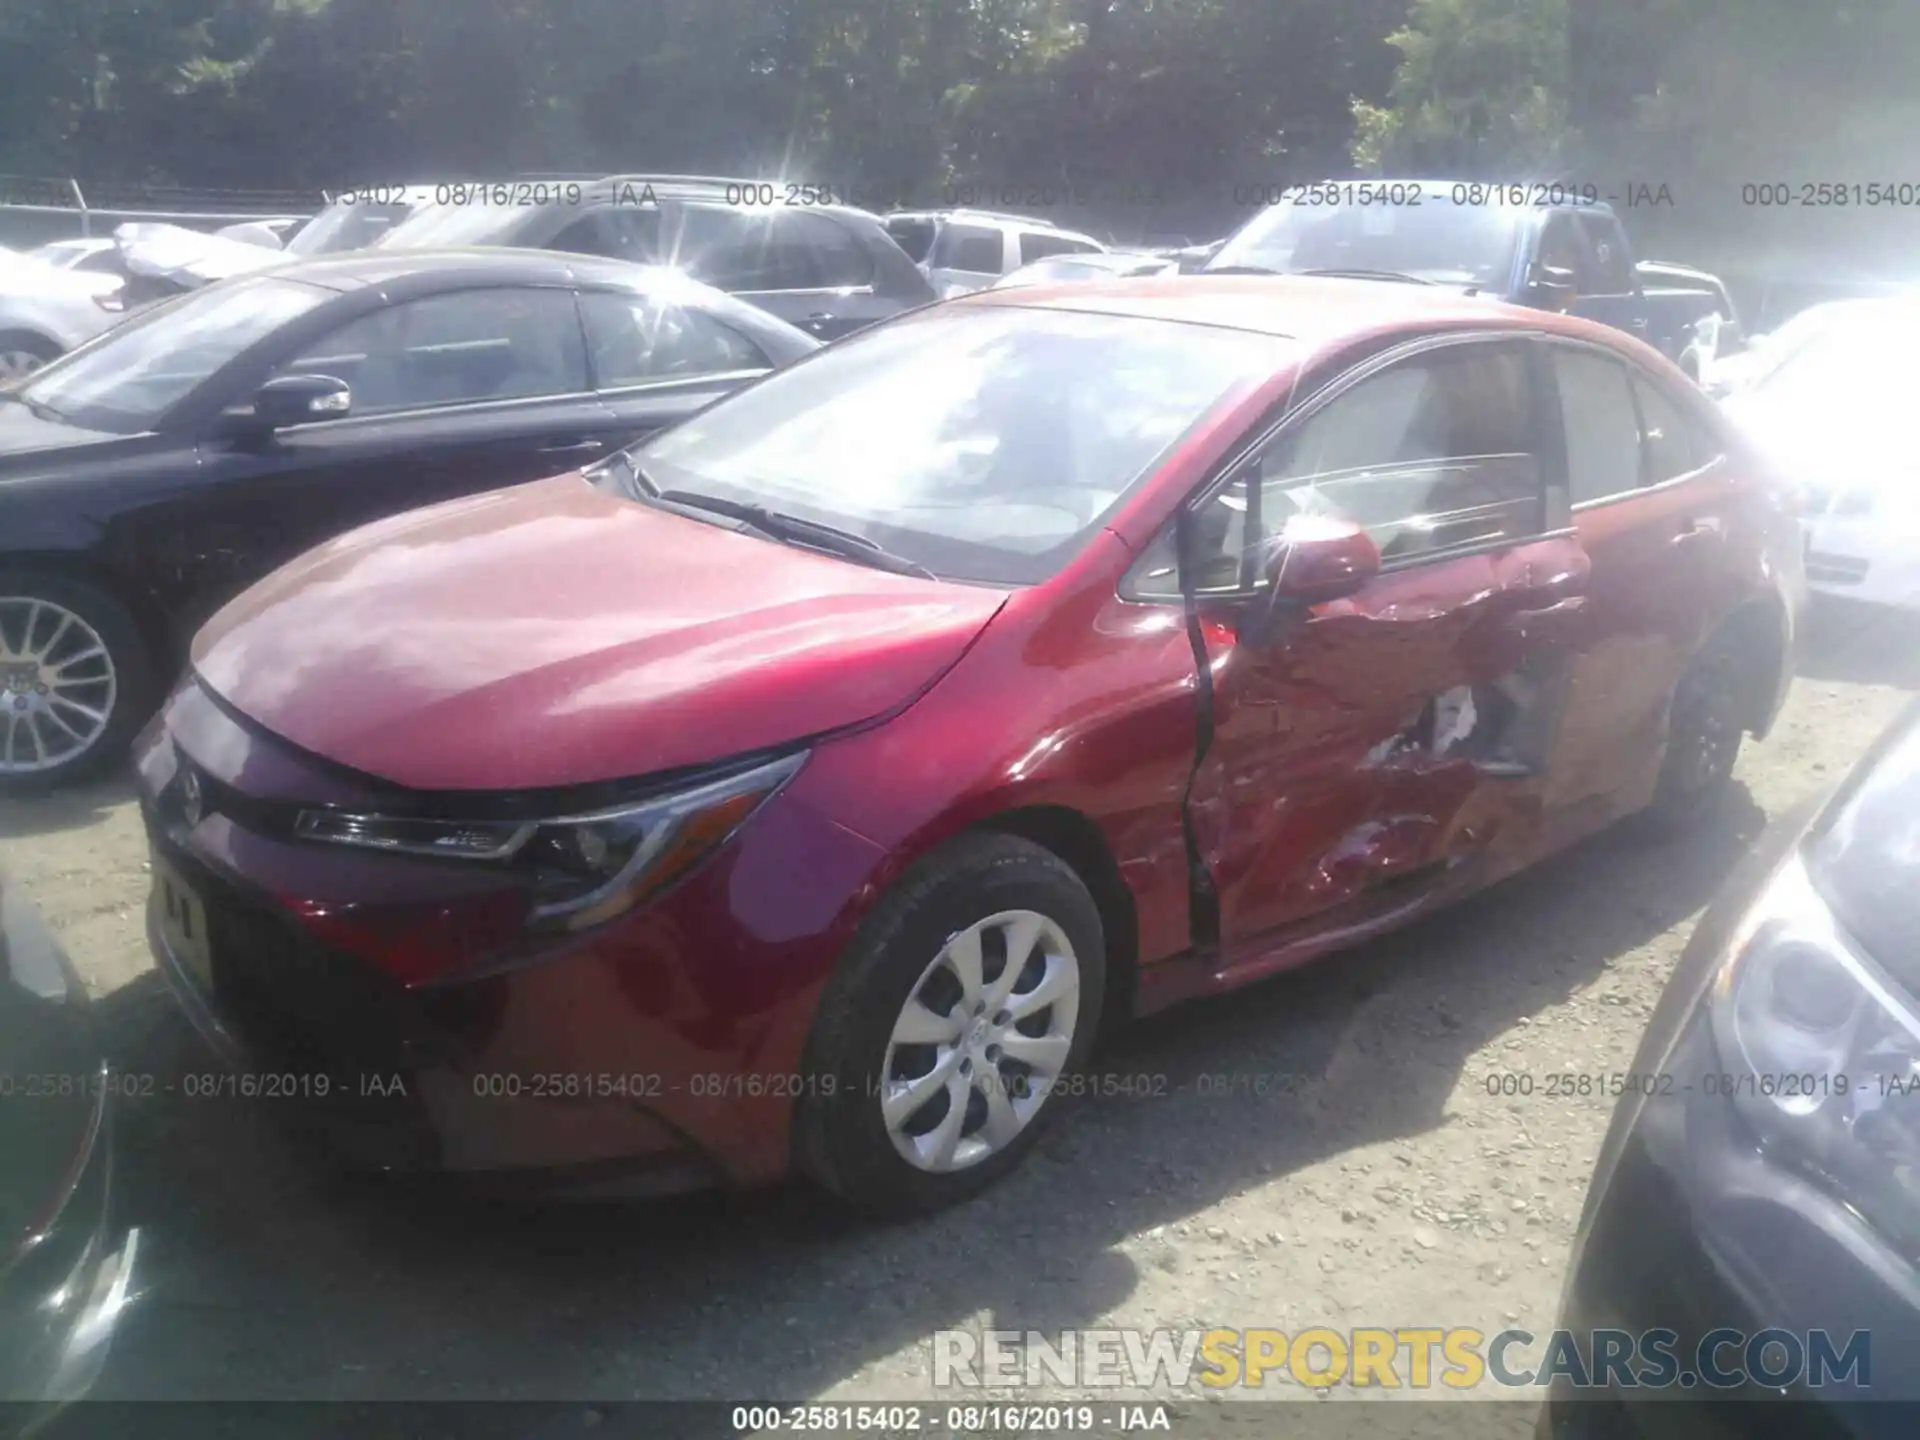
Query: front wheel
(953, 1028)
(75, 679)
(21, 354)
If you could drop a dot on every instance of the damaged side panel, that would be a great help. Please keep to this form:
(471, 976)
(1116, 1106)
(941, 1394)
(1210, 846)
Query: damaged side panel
(1384, 738)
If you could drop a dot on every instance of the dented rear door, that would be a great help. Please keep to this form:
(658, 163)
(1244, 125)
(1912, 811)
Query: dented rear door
(1384, 739)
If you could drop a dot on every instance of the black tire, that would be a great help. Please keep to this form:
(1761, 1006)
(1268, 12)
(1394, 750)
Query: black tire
(1705, 727)
(841, 1140)
(133, 690)
(24, 342)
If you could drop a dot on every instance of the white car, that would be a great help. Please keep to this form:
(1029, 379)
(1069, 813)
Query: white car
(1731, 374)
(960, 251)
(45, 311)
(95, 254)
(1831, 415)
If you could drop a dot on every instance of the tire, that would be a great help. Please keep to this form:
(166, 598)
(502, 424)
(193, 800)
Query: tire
(1705, 727)
(996, 886)
(22, 352)
(47, 735)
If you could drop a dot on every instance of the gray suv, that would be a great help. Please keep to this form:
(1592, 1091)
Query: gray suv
(829, 269)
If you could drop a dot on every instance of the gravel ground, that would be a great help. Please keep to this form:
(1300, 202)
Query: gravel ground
(1377, 1182)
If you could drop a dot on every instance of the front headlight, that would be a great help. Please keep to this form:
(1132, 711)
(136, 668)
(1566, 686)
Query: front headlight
(584, 869)
(1825, 1051)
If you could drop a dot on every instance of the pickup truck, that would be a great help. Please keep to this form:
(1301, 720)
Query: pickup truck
(1547, 247)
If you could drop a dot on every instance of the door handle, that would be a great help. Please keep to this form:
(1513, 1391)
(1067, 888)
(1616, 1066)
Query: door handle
(573, 447)
(1696, 529)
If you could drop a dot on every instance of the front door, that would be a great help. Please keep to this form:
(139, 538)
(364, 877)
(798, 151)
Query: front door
(452, 395)
(1377, 742)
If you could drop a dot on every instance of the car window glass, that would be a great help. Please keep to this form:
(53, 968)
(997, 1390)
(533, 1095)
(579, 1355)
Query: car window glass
(1037, 245)
(635, 339)
(1673, 445)
(1612, 262)
(1434, 454)
(913, 234)
(455, 349)
(838, 258)
(1601, 425)
(976, 249)
(735, 250)
(1562, 249)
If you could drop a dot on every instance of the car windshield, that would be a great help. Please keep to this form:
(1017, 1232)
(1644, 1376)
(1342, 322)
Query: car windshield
(434, 226)
(1436, 240)
(347, 226)
(984, 444)
(124, 382)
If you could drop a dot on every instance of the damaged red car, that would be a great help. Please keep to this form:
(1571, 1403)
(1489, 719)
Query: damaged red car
(801, 790)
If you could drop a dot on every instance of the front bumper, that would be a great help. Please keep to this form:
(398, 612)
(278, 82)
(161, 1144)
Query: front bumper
(1691, 1227)
(660, 1052)
(1857, 558)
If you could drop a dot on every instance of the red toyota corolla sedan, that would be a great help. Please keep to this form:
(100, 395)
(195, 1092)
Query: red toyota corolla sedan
(801, 790)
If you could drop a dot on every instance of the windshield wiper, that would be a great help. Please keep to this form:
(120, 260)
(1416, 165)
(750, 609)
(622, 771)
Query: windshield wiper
(1240, 270)
(778, 525)
(1356, 274)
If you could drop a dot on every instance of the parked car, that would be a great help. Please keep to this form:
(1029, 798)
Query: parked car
(1732, 374)
(148, 478)
(828, 269)
(1097, 265)
(1717, 333)
(46, 310)
(802, 789)
(66, 1260)
(966, 250)
(1831, 415)
(359, 219)
(94, 254)
(1758, 1175)
(1569, 256)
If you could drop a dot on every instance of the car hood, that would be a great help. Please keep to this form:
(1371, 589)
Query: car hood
(30, 277)
(189, 257)
(554, 635)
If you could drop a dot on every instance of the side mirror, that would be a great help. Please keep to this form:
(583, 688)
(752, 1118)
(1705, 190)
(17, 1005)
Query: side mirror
(1552, 287)
(1314, 559)
(301, 400)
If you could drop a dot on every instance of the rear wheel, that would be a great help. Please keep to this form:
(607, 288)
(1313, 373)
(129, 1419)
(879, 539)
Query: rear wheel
(1705, 729)
(75, 680)
(953, 1027)
(21, 354)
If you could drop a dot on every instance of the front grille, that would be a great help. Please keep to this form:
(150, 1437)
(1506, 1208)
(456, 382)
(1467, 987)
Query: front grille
(1824, 567)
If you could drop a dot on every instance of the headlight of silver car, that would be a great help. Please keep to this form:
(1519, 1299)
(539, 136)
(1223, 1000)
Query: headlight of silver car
(1825, 1053)
(587, 868)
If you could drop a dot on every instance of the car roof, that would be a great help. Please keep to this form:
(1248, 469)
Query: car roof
(497, 264)
(1310, 308)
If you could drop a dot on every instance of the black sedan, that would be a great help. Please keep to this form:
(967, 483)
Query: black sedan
(151, 475)
(1753, 1225)
(66, 1265)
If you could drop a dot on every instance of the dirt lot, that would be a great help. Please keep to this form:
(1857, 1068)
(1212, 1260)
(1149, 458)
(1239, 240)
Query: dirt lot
(1383, 1185)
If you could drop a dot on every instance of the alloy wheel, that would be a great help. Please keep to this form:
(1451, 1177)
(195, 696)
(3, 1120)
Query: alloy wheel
(983, 1036)
(1706, 728)
(57, 685)
(17, 364)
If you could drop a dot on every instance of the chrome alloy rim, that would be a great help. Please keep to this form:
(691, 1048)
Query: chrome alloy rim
(983, 1036)
(57, 685)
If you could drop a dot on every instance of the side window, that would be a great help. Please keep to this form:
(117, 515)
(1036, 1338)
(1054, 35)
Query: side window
(1612, 261)
(455, 349)
(1602, 427)
(836, 257)
(1433, 455)
(635, 339)
(619, 234)
(1561, 248)
(1674, 445)
(1039, 244)
(975, 249)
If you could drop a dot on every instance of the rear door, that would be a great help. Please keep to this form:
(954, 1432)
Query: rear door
(804, 267)
(654, 363)
(452, 394)
(1382, 739)
(1655, 508)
